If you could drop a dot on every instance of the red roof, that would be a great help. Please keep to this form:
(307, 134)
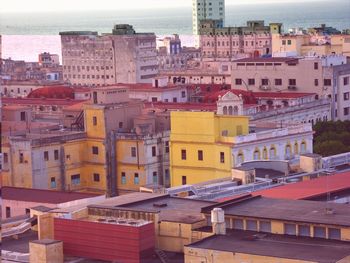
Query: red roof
(41, 196)
(38, 101)
(248, 96)
(310, 188)
(53, 92)
(282, 95)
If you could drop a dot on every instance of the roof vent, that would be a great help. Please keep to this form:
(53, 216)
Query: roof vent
(160, 204)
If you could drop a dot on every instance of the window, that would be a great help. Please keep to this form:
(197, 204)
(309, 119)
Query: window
(94, 121)
(346, 111)
(292, 82)
(154, 99)
(346, 81)
(283, 42)
(222, 157)
(327, 82)
(238, 81)
(251, 82)
(316, 82)
(304, 230)
(200, 155)
(136, 178)
(316, 65)
(183, 154)
(289, 42)
(278, 82)
(252, 225)
(75, 179)
(167, 147)
(56, 155)
(334, 233)
(133, 151)
(120, 125)
(27, 210)
(174, 99)
(319, 231)
(265, 226)
(46, 155)
(123, 178)
(238, 224)
(183, 94)
(154, 151)
(346, 96)
(264, 82)
(184, 180)
(23, 116)
(6, 157)
(95, 150)
(96, 177)
(8, 212)
(53, 182)
(155, 178)
(290, 229)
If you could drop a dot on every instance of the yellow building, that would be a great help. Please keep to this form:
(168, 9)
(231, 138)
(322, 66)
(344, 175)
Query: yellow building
(200, 149)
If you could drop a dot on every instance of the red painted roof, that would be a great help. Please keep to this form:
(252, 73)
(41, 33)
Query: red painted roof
(53, 92)
(38, 101)
(41, 196)
(282, 95)
(310, 188)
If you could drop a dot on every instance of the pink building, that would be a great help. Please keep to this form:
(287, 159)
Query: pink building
(253, 40)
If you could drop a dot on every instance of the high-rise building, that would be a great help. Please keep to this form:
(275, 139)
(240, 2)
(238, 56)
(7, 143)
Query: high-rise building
(124, 56)
(207, 9)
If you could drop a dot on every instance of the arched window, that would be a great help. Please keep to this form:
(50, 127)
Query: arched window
(296, 148)
(240, 158)
(288, 151)
(235, 110)
(230, 110)
(272, 152)
(303, 147)
(265, 156)
(225, 110)
(256, 155)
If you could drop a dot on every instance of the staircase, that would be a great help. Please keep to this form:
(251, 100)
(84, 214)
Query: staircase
(162, 256)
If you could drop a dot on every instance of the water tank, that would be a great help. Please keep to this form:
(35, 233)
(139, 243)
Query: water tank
(217, 215)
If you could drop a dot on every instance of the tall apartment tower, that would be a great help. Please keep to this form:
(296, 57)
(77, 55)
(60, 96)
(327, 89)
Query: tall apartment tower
(206, 9)
(124, 56)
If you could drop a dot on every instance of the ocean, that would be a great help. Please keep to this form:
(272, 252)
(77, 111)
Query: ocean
(26, 35)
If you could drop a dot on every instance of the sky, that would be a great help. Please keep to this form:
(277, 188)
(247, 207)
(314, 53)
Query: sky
(89, 5)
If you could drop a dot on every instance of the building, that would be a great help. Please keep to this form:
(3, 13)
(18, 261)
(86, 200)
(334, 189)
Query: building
(124, 56)
(252, 40)
(19, 201)
(206, 9)
(327, 76)
(48, 60)
(205, 146)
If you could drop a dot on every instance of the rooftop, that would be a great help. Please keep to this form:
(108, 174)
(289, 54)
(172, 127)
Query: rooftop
(287, 210)
(267, 60)
(309, 189)
(41, 196)
(280, 246)
(182, 106)
(40, 101)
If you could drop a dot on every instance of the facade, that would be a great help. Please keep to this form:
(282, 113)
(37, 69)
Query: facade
(326, 77)
(207, 9)
(224, 143)
(253, 40)
(125, 56)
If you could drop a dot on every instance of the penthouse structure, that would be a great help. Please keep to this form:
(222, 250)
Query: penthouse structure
(124, 56)
(252, 40)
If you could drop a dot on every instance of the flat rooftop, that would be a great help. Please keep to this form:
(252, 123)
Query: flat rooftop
(41, 196)
(287, 210)
(171, 209)
(281, 246)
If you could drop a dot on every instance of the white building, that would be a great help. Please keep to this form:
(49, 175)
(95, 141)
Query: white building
(206, 9)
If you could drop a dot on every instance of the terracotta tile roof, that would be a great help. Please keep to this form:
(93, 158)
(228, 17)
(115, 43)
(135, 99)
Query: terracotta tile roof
(53, 92)
(282, 95)
(41, 196)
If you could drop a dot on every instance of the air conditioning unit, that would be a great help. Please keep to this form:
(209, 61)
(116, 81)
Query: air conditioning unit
(292, 87)
(264, 87)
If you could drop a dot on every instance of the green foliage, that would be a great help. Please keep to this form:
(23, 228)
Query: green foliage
(332, 137)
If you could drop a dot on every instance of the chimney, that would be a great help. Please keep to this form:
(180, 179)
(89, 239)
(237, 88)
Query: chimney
(218, 221)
